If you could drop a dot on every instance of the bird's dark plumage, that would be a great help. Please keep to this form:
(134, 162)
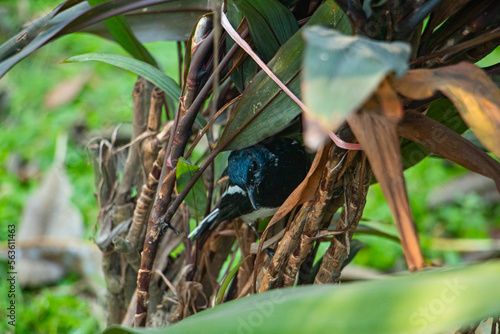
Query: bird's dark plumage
(260, 179)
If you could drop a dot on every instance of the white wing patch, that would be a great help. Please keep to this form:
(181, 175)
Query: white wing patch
(207, 221)
(235, 189)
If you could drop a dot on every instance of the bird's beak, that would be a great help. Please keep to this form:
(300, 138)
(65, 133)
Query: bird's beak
(251, 196)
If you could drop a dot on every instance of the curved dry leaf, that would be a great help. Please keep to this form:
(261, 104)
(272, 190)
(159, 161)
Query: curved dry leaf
(475, 96)
(378, 135)
(442, 111)
(447, 143)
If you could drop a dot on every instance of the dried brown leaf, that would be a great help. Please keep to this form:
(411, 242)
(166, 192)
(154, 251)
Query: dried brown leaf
(389, 101)
(66, 91)
(378, 135)
(447, 143)
(475, 96)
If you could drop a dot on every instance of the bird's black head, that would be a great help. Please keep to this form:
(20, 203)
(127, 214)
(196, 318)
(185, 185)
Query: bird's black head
(248, 168)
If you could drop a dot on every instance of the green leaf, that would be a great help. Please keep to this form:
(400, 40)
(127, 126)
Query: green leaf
(380, 229)
(36, 35)
(244, 73)
(263, 97)
(443, 111)
(270, 25)
(19, 41)
(65, 19)
(227, 280)
(196, 200)
(341, 72)
(148, 72)
(427, 302)
(123, 35)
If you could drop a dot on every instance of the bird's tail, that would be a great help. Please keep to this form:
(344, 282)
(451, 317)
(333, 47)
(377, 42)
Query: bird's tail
(206, 224)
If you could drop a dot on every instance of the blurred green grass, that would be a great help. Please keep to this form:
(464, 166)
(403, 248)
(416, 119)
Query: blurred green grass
(467, 217)
(30, 131)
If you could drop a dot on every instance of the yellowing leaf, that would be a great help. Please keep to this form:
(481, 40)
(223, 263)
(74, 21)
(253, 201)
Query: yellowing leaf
(475, 96)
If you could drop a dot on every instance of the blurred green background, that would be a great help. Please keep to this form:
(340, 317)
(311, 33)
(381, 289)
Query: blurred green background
(29, 130)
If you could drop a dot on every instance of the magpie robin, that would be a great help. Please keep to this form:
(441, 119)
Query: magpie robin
(260, 179)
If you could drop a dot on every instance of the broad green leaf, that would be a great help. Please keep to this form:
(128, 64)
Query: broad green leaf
(341, 72)
(443, 111)
(148, 72)
(196, 200)
(65, 19)
(123, 35)
(263, 97)
(19, 41)
(244, 73)
(36, 35)
(427, 302)
(66, 11)
(270, 25)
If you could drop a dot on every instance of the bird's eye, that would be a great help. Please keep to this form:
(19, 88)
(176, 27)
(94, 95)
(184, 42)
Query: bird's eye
(253, 167)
